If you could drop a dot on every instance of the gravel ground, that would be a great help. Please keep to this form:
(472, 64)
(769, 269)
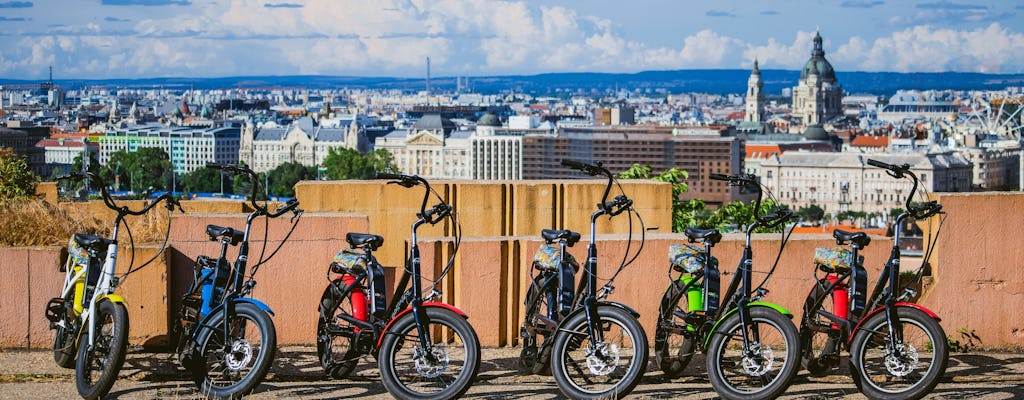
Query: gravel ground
(296, 374)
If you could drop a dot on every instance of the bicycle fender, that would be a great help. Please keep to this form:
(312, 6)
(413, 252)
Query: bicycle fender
(113, 298)
(582, 310)
(427, 304)
(773, 306)
(898, 305)
(202, 327)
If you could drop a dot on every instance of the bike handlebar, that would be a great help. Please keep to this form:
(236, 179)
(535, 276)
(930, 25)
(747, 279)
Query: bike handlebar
(899, 172)
(595, 170)
(109, 201)
(432, 216)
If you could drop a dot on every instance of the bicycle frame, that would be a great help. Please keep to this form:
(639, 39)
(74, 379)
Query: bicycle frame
(883, 296)
(404, 300)
(591, 297)
(106, 282)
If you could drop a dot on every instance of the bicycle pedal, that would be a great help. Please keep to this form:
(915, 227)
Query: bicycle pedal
(55, 310)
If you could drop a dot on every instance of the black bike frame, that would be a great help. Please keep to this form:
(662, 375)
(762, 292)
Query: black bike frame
(884, 292)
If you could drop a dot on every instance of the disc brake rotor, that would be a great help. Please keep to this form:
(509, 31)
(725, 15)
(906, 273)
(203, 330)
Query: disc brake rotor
(431, 367)
(901, 366)
(602, 358)
(758, 360)
(239, 356)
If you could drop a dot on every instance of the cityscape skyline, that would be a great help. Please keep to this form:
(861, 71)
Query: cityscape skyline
(181, 38)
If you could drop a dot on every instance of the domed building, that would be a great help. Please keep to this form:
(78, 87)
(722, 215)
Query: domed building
(818, 96)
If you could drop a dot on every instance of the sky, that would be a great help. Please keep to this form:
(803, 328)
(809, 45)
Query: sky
(123, 39)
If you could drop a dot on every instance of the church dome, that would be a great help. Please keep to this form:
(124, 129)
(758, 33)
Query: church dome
(818, 64)
(488, 119)
(816, 132)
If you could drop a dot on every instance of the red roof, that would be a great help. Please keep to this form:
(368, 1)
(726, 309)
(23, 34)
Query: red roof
(58, 143)
(870, 141)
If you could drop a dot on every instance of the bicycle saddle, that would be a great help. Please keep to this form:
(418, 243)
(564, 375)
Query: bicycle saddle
(217, 231)
(95, 243)
(368, 240)
(861, 239)
(710, 236)
(551, 235)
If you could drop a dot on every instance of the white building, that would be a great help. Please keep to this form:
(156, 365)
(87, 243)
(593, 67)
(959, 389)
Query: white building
(303, 141)
(839, 182)
(61, 153)
(432, 148)
(189, 148)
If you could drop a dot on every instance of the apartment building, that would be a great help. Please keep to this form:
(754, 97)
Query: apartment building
(189, 148)
(302, 141)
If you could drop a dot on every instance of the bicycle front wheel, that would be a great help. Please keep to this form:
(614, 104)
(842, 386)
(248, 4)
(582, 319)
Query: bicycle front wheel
(763, 367)
(911, 369)
(443, 370)
(98, 364)
(232, 365)
(585, 369)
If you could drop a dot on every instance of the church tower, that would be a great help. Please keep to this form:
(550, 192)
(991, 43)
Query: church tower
(818, 96)
(755, 96)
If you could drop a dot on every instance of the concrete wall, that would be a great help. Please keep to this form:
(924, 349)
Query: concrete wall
(975, 282)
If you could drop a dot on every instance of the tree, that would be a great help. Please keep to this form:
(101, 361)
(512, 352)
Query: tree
(683, 213)
(205, 180)
(147, 167)
(283, 178)
(344, 163)
(811, 213)
(242, 184)
(16, 179)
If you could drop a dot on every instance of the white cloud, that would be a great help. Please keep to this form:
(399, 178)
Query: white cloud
(465, 37)
(993, 49)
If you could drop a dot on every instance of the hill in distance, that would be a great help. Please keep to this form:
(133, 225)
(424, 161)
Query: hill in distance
(676, 81)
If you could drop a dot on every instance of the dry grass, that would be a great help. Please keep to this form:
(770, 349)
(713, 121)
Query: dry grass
(38, 223)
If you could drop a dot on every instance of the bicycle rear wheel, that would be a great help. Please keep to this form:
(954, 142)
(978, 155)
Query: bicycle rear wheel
(443, 371)
(64, 350)
(820, 339)
(762, 369)
(536, 354)
(232, 366)
(612, 368)
(335, 337)
(882, 372)
(674, 337)
(99, 364)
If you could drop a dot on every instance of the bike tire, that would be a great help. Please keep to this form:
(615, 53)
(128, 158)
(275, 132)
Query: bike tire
(871, 368)
(621, 330)
(215, 372)
(535, 356)
(65, 352)
(98, 365)
(673, 350)
(403, 374)
(737, 377)
(820, 342)
(335, 345)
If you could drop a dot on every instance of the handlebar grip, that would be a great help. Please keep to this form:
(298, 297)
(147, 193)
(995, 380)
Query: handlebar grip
(718, 177)
(387, 175)
(879, 164)
(574, 164)
(214, 166)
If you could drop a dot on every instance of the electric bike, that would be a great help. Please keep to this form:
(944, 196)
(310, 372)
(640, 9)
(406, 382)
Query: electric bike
(425, 349)
(227, 339)
(897, 348)
(90, 320)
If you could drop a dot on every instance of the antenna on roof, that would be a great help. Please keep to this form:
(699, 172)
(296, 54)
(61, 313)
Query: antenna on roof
(428, 75)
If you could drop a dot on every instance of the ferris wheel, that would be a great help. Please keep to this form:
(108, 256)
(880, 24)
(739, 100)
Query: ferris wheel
(997, 114)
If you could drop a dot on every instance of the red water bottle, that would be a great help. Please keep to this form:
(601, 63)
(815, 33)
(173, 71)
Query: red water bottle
(840, 299)
(358, 296)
